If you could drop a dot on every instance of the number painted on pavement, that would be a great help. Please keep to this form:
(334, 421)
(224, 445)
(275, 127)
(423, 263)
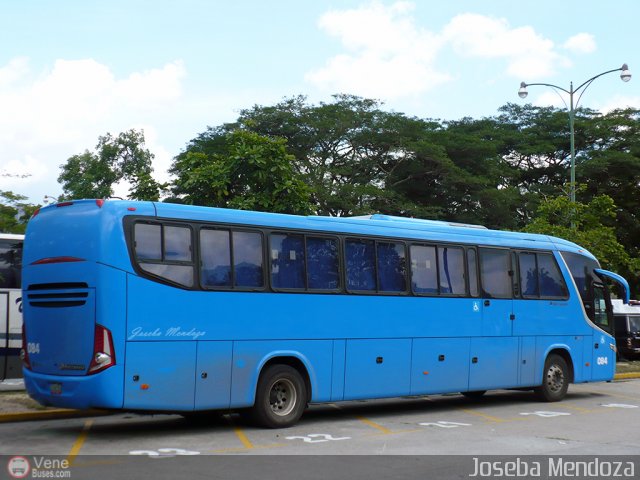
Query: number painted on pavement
(163, 452)
(317, 438)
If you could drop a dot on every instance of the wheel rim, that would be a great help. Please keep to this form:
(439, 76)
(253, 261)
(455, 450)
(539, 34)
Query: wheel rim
(282, 397)
(555, 379)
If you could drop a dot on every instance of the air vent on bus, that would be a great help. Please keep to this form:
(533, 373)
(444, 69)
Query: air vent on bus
(56, 299)
(57, 286)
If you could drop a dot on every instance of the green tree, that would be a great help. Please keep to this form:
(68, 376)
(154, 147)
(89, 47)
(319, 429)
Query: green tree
(14, 212)
(346, 150)
(592, 229)
(94, 174)
(240, 169)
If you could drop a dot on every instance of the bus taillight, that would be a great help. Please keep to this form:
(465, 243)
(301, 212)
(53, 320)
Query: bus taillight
(24, 353)
(104, 355)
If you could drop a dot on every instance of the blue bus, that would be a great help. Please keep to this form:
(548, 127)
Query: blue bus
(160, 307)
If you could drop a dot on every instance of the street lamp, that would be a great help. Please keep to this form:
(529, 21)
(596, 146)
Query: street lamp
(625, 76)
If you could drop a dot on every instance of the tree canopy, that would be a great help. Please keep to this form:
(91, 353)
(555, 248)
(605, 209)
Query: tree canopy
(124, 157)
(351, 156)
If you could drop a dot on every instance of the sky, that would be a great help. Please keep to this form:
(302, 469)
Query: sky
(74, 70)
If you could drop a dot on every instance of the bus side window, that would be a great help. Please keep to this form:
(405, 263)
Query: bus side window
(451, 269)
(528, 275)
(148, 241)
(360, 258)
(494, 272)
(247, 260)
(322, 263)
(552, 284)
(472, 268)
(215, 254)
(424, 275)
(165, 251)
(392, 267)
(287, 261)
(177, 244)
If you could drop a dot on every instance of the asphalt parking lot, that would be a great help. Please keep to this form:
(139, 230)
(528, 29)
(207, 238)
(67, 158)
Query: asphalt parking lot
(598, 418)
(594, 419)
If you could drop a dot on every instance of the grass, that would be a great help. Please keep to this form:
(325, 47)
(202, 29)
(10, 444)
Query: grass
(626, 366)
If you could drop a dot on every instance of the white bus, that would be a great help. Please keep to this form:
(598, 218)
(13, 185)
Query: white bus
(10, 305)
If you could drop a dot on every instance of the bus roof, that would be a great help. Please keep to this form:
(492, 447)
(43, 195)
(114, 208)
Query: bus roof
(375, 224)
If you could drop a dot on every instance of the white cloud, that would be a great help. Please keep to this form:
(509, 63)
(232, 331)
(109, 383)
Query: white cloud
(49, 117)
(581, 43)
(528, 54)
(387, 54)
(620, 101)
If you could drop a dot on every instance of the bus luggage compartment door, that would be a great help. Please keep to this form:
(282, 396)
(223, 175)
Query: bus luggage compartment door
(377, 368)
(160, 375)
(440, 365)
(494, 363)
(213, 375)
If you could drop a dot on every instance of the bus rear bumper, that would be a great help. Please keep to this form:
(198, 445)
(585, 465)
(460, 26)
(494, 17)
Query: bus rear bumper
(103, 390)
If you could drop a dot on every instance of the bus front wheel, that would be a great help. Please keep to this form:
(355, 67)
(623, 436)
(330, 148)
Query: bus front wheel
(555, 379)
(281, 397)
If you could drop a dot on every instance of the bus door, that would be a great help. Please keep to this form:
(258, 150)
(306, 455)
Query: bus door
(494, 355)
(603, 353)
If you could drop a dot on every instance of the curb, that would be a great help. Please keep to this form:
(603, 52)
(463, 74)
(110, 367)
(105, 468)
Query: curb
(49, 414)
(626, 376)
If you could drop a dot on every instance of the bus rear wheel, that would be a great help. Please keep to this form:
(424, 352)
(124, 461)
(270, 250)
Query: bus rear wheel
(555, 379)
(281, 397)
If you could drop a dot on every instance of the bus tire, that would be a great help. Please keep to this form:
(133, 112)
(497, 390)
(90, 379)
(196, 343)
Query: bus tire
(281, 397)
(555, 379)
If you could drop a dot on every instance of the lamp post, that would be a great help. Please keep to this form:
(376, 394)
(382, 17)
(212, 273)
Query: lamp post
(625, 76)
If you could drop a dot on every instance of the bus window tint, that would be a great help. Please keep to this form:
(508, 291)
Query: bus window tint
(361, 265)
(424, 276)
(494, 273)
(551, 282)
(472, 267)
(392, 267)
(177, 244)
(322, 263)
(528, 274)
(247, 259)
(148, 241)
(451, 267)
(287, 261)
(581, 268)
(181, 274)
(216, 258)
